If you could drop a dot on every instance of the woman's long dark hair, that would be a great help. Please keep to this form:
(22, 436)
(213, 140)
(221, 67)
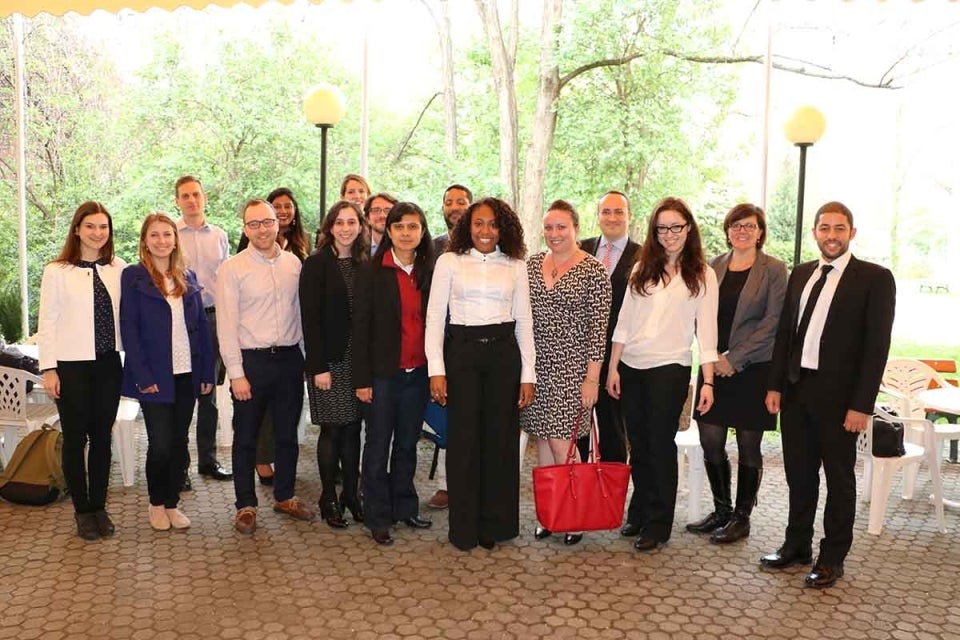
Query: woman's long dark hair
(360, 250)
(653, 257)
(70, 254)
(508, 223)
(423, 262)
(298, 242)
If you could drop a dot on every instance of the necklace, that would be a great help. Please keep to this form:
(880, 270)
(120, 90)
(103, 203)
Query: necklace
(556, 267)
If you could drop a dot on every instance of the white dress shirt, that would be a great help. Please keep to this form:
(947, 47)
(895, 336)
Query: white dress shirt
(258, 305)
(810, 356)
(480, 289)
(658, 328)
(204, 250)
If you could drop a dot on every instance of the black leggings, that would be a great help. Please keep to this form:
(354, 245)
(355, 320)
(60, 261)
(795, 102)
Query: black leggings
(339, 445)
(713, 439)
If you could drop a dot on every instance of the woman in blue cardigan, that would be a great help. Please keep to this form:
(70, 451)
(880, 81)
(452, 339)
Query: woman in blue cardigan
(169, 359)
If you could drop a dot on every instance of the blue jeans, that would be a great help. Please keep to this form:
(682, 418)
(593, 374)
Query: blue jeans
(396, 413)
(168, 426)
(276, 384)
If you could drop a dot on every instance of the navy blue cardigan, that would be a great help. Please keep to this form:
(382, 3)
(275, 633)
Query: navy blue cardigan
(146, 326)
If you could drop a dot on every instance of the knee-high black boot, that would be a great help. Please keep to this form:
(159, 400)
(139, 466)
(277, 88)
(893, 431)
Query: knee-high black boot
(719, 476)
(748, 484)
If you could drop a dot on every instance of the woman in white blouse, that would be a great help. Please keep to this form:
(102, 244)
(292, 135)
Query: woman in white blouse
(481, 366)
(672, 296)
(169, 359)
(79, 344)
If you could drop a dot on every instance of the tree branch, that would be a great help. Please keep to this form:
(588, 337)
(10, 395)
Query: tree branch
(409, 136)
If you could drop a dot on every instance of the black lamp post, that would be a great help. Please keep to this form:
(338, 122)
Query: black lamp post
(803, 129)
(324, 107)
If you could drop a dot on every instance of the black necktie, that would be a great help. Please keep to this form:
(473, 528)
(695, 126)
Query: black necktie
(793, 373)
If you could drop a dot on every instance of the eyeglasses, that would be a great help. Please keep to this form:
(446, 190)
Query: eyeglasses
(266, 223)
(409, 226)
(378, 210)
(743, 226)
(675, 229)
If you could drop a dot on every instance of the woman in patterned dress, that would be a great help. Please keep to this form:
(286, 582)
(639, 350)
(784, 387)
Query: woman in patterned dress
(169, 359)
(326, 304)
(570, 298)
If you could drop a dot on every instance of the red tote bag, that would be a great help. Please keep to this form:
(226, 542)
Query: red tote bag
(581, 496)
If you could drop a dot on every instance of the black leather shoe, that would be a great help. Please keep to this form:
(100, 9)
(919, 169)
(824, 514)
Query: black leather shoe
(416, 522)
(643, 543)
(711, 523)
(216, 471)
(331, 514)
(266, 481)
(487, 544)
(354, 508)
(571, 539)
(542, 533)
(104, 524)
(784, 557)
(382, 537)
(823, 575)
(630, 530)
(87, 526)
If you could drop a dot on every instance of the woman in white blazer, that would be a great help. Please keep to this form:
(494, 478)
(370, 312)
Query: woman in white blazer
(79, 341)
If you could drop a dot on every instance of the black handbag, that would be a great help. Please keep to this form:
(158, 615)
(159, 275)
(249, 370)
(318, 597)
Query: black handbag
(887, 438)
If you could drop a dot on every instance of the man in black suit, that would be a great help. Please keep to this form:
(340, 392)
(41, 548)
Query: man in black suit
(828, 359)
(617, 252)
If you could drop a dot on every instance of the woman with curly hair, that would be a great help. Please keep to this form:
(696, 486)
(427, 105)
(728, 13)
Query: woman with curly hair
(672, 295)
(482, 368)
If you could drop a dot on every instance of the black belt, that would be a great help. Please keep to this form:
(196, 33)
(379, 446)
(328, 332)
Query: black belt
(483, 334)
(276, 349)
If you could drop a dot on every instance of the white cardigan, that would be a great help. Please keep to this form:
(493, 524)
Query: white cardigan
(65, 330)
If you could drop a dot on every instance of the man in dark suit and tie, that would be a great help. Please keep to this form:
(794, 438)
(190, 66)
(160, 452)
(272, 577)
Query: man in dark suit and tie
(617, 253)
(828, 359)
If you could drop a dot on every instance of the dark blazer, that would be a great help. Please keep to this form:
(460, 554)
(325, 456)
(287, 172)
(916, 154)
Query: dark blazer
(618, 282)
(755, 321)
(376, 322)
(855, 340)
(146, 325)
(324, 311)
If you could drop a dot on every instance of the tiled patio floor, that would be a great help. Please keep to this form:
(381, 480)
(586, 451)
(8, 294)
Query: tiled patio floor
(304, 580)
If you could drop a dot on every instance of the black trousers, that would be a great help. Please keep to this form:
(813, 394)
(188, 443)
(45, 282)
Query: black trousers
(89, 397)
(208, 415)
(483, 447)
(610, 425)
(168, 426)
(813, 435)
(652, 401)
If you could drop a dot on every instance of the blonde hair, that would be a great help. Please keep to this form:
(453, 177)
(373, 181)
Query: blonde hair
(177, 269)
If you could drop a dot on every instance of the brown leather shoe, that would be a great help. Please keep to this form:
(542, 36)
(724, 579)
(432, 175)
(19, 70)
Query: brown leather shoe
(296, 508)
(246, 521)
(440, 500)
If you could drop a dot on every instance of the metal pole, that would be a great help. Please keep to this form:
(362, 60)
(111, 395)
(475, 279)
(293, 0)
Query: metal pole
(799, 233)
(323, 170)
(19, 86)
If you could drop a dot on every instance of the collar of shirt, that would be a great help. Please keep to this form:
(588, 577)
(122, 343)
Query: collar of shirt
(620, 243)
(391, 260)
(182, 225)
(838, 264)
(496, 253)
(259, 257)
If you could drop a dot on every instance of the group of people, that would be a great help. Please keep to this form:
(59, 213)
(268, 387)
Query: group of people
(380, 319)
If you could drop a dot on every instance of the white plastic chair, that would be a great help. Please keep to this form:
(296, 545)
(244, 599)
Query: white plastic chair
(903, 380)
(17, 411)
(125, 439)
(690, 457)
(878, 472)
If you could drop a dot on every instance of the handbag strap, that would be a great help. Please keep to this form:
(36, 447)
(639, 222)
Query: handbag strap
(594, 455)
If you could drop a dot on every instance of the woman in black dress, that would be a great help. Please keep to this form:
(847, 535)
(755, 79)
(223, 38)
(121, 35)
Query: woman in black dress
(752, 287)
(326, 304)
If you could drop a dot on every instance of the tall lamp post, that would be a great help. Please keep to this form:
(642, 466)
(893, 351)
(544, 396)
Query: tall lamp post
(803, 129)
(324, 106)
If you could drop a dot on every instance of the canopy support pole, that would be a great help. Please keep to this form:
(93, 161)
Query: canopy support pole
(19, 89)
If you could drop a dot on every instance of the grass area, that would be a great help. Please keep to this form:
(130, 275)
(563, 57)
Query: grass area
(908, 349)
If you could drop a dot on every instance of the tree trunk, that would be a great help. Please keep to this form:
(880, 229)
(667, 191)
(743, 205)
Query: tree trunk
(503, 79)
(449, 92)
(544, 126)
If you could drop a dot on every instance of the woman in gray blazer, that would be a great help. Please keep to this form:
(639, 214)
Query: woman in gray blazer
(752, 288)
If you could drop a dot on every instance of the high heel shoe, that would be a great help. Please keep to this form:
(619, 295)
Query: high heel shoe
(541, 533)
(571, 539)
(265, 479)
(331, 514)
(355, 509)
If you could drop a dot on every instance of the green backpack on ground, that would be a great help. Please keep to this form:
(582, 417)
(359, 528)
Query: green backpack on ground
(35, 473)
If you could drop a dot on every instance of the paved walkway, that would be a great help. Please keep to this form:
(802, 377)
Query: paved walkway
(304, 580)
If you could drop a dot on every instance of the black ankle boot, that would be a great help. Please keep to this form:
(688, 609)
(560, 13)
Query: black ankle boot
(748, 484)
(719, 476)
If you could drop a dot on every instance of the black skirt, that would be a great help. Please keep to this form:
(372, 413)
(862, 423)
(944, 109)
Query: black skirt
(739, 401)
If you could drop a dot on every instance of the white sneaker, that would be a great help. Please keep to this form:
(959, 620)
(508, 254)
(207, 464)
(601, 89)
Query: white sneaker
(158, 518)
(177, 519)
